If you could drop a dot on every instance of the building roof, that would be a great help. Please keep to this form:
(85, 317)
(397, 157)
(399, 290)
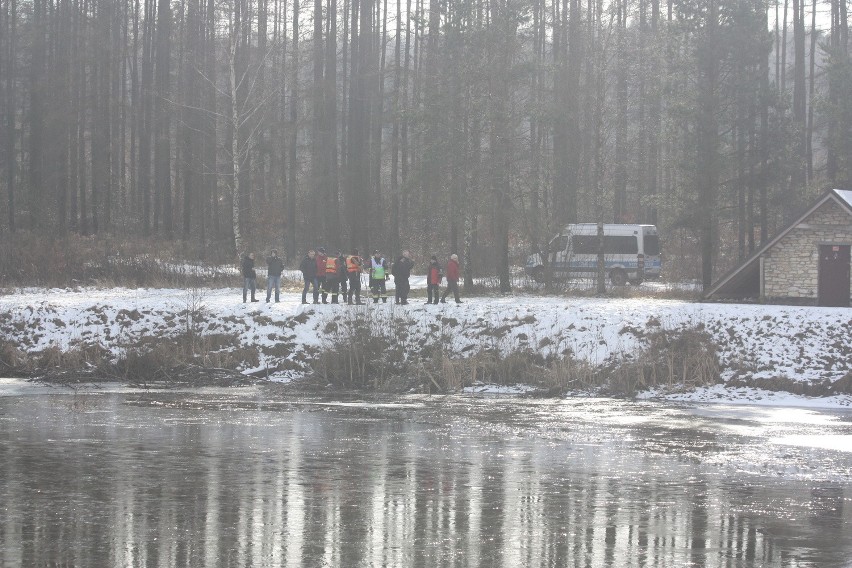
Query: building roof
(744, 280)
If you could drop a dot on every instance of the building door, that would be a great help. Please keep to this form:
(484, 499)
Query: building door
(833, 275)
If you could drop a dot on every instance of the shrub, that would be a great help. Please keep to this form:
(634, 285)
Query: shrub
(153, 362)
(683, 358)
(13, 360)
(554, 375)
(364, 348)
(148, 361)
(369, 349)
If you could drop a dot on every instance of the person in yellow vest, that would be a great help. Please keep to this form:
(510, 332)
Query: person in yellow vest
(354, 267)
(332, 279)
(379, 274)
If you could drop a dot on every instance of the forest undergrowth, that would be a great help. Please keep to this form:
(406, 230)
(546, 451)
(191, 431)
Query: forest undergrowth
(156, 263)
(28, 260)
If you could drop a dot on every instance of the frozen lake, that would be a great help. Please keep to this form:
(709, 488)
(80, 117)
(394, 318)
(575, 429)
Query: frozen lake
(248, 478)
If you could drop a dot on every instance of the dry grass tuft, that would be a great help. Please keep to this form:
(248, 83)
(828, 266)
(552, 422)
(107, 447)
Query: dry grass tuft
(679, 358)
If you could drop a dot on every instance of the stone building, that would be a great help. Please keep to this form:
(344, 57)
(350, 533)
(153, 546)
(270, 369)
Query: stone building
(806, 263)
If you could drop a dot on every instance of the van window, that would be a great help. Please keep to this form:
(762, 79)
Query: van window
(627, 244)
(584, 244)
(613, 244)
(652, 245)
(558, 244)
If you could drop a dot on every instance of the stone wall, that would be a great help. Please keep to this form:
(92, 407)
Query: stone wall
(791, 267)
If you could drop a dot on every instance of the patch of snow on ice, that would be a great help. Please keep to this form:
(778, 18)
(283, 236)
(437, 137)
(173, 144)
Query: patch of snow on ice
(840, 443)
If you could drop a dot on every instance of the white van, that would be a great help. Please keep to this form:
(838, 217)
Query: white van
(631, 253)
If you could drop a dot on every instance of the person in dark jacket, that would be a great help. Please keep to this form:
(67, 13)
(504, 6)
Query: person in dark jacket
(401, 273)
(433, 281)
(249, 276)
(275, 266)
(453, 274)
(319, 281)
(354, 267)
(309, 273)
(342, 276)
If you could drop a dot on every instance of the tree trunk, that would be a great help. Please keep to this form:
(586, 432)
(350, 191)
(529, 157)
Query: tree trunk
(192, 125)
(100, 119)
(783, 80)
(707, 148)
(329, 130)
(11, 109)
(654, 118)
(293, 171)
(619, 208)
(262, 168)
(74, 118)
(318, 162)
(281, 137)
(403, 129)
(61, 94)
(121, 110)
(162, 149)
(235, 143)
(764, 102)
(38, 91)
(245, 111)
(394, 236)
(135, 111)
(210, 185)
(809, 136)
(377, 92)
(501, 135)
(799, 165)
(81, 132)
(145, 129)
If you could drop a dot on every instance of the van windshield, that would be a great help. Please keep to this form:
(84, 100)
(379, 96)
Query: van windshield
(652, 245)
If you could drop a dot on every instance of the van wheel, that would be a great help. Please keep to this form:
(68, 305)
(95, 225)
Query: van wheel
(537, 274)
(618, 277)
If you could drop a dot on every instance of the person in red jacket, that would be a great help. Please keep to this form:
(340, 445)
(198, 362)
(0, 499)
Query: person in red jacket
(433, 281)
(453, 273)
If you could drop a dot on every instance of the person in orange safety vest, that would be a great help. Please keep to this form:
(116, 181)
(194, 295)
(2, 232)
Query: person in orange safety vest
(332, 279)
(354, 268)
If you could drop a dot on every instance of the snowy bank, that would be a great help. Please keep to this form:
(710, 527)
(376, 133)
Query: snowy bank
(755, 343)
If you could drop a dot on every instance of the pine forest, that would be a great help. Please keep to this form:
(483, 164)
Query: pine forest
(479, 127)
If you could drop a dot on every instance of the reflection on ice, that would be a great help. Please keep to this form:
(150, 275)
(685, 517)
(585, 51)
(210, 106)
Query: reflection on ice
(767, 415)
(190, 481)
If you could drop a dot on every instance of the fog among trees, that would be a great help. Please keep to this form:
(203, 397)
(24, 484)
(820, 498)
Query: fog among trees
(472, 126)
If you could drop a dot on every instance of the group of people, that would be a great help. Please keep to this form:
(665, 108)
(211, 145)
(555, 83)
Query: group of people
(275, 267)
(338, 274)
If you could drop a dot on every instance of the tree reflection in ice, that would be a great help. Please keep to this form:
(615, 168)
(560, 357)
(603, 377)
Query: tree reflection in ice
(110, 484)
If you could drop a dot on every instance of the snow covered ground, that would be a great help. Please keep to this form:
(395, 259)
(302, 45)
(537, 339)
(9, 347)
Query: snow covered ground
(799, 343)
